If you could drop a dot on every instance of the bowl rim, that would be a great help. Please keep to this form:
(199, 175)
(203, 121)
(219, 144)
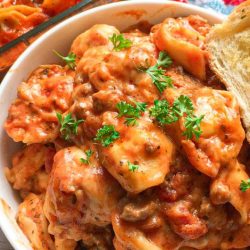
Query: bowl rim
(38, 42)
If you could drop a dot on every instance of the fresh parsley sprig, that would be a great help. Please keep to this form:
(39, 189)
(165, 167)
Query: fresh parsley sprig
(193, 126)
(162, 112)
(107, 135)
(182, 107)
(88, 154)
(141, 106)
(120, 42)
(159, 79)
(158, 74)
(130, 112)
(245, 185)
(132, 167)
(68, 124)
(70, 59)
(125, 108)
(164, 60)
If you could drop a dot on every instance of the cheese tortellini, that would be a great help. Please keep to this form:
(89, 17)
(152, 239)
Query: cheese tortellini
(134, 145)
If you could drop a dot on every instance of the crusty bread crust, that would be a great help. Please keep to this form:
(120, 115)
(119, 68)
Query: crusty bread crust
(228, 45)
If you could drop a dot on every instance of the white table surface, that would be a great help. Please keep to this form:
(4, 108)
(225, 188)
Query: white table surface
(4, 244)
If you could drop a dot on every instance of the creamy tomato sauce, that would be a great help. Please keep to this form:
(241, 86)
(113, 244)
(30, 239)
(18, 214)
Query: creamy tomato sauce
(133, 145)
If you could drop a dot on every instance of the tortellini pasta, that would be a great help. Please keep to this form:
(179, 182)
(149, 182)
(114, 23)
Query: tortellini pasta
(110, 161)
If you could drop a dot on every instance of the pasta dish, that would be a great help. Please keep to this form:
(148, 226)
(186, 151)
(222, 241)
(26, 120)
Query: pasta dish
(19, 16)
(133, 144)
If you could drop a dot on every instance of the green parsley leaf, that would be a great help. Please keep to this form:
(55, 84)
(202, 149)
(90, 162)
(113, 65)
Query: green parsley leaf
(183, 105)
(69, 125)
(141, 106)
(130, 112)
(126, 109)
(70, 59)
(244, 185)
(162, 112)
(192, 125)
(88, 154)
(164, 60)
(159, 79)
(132, 167)
(130, 121)
(165, 114)
(157, 74)
(120, 42)
(107, 135)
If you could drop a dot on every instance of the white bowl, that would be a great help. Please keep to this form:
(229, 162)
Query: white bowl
(40, 52)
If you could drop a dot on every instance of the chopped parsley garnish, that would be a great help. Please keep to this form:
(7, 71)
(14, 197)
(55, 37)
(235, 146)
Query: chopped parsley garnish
(193, 126)
(130, 121)
(68, 124)
(120, 42)
(132, 113)
(162, 112)
(132, 167)
(244, 185)
(107, 135)
(88, 154)
(141, 106)
(159, 79)
(182, 107)
(70, 59)
(157, 73)
(164, 60)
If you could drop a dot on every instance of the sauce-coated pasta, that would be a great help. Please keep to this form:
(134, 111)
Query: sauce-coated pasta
(133, 145)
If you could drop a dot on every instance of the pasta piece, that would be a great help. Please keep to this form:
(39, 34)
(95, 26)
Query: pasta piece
(97, 35)
(183, 43)
(144, 145)
(102, 66)
(32, 116)
(222, 133)
(25, 123)
(49, 87)
(16, 20)
(22, 9)
(27, 173)
(78, 194)
(231, 177)
(7, 3)
(198, 23)
(54, 7)
(129, 237)
(88, 67)
(32, 221)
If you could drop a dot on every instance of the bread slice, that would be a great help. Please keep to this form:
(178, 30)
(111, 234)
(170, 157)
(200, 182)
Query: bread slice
(228, 45)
